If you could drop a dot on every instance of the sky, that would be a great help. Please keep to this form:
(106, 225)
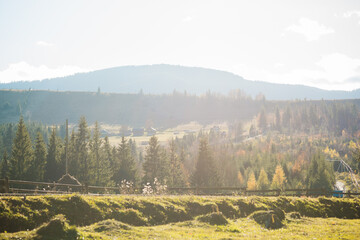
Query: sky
(314, 43)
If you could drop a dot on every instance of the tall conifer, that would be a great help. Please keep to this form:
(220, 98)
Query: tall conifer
(22, 152)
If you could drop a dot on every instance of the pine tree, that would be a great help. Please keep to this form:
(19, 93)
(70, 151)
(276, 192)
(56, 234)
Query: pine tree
(37, 167)
(320, 174)
(127, 166)
(52, 171)
(101, 167)
(263, 181)
(82, 147)
(251, 183)
(4, 166)
(73, 166)
(279, 178)
(155, 165)
(205, 174)
(8, 138)
(176, 167)
(22, 153)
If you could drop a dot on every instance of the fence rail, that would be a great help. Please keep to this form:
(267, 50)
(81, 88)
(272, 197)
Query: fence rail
(7, 187)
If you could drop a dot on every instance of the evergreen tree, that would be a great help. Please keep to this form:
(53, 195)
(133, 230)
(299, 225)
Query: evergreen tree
(176, 167)
(101, 167)
(263, 181)
(205, 174)
(22, 153)
(4, 166)
(82, 147)
(251, 183)
(155, 165)
(108, 155)
(73, 166)
(52, 171)
(37, 167)
(279, 178)
(127, 166)
(8, 138)
(320, 174)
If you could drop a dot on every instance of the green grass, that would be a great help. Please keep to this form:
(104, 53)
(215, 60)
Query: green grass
(243, 228)
(179, 217)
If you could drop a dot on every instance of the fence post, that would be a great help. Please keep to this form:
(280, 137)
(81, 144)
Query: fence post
(278, 192)
(4, 185)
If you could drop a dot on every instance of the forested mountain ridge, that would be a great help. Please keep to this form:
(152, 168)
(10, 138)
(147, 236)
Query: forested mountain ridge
(163, 79)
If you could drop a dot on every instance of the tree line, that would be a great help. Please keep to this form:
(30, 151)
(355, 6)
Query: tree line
(206, 159)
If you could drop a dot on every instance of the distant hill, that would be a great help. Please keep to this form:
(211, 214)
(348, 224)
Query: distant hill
(162, 78)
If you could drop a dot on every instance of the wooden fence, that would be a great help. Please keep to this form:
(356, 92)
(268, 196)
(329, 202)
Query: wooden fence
(16, 187)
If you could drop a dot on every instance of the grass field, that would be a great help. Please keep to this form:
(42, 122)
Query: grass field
(176, 217)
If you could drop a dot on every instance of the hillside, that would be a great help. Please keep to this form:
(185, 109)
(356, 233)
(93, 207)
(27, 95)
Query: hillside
(130, 109)
(160, 79)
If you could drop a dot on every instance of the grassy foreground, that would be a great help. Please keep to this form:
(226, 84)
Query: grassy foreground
(176, 217)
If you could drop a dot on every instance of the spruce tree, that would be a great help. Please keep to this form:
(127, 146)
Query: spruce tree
(176, 167)
(101, 172)
(4, 166)
(155, 165)
(127, 165)
(52, 171)
(73, 166)
(22, 153)
(81, 148)
(37, 167)
(205, 174)
(320, 174)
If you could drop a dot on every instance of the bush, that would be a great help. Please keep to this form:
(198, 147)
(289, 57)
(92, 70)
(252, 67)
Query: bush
(215, 218)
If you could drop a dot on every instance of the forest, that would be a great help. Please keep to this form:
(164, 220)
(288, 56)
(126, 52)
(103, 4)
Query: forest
(282, 145)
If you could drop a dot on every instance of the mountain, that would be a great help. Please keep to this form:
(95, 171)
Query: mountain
(162, 78)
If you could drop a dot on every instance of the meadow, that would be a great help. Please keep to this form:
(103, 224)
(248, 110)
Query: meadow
(178, 217)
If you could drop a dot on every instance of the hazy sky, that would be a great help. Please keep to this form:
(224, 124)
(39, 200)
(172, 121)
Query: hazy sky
(315, 43)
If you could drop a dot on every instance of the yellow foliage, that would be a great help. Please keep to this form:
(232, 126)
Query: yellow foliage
(279, 178)
(331, 152)
(251, 184)
(240, 178)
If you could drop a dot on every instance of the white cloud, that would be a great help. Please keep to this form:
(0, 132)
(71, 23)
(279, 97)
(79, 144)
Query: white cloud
(187, 19)
(349, 14)
(44, 44)
(23, 71)
(311, 29)
(334, 72)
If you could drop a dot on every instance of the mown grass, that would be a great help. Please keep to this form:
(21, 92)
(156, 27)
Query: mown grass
(243, 228)
(180, 217)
